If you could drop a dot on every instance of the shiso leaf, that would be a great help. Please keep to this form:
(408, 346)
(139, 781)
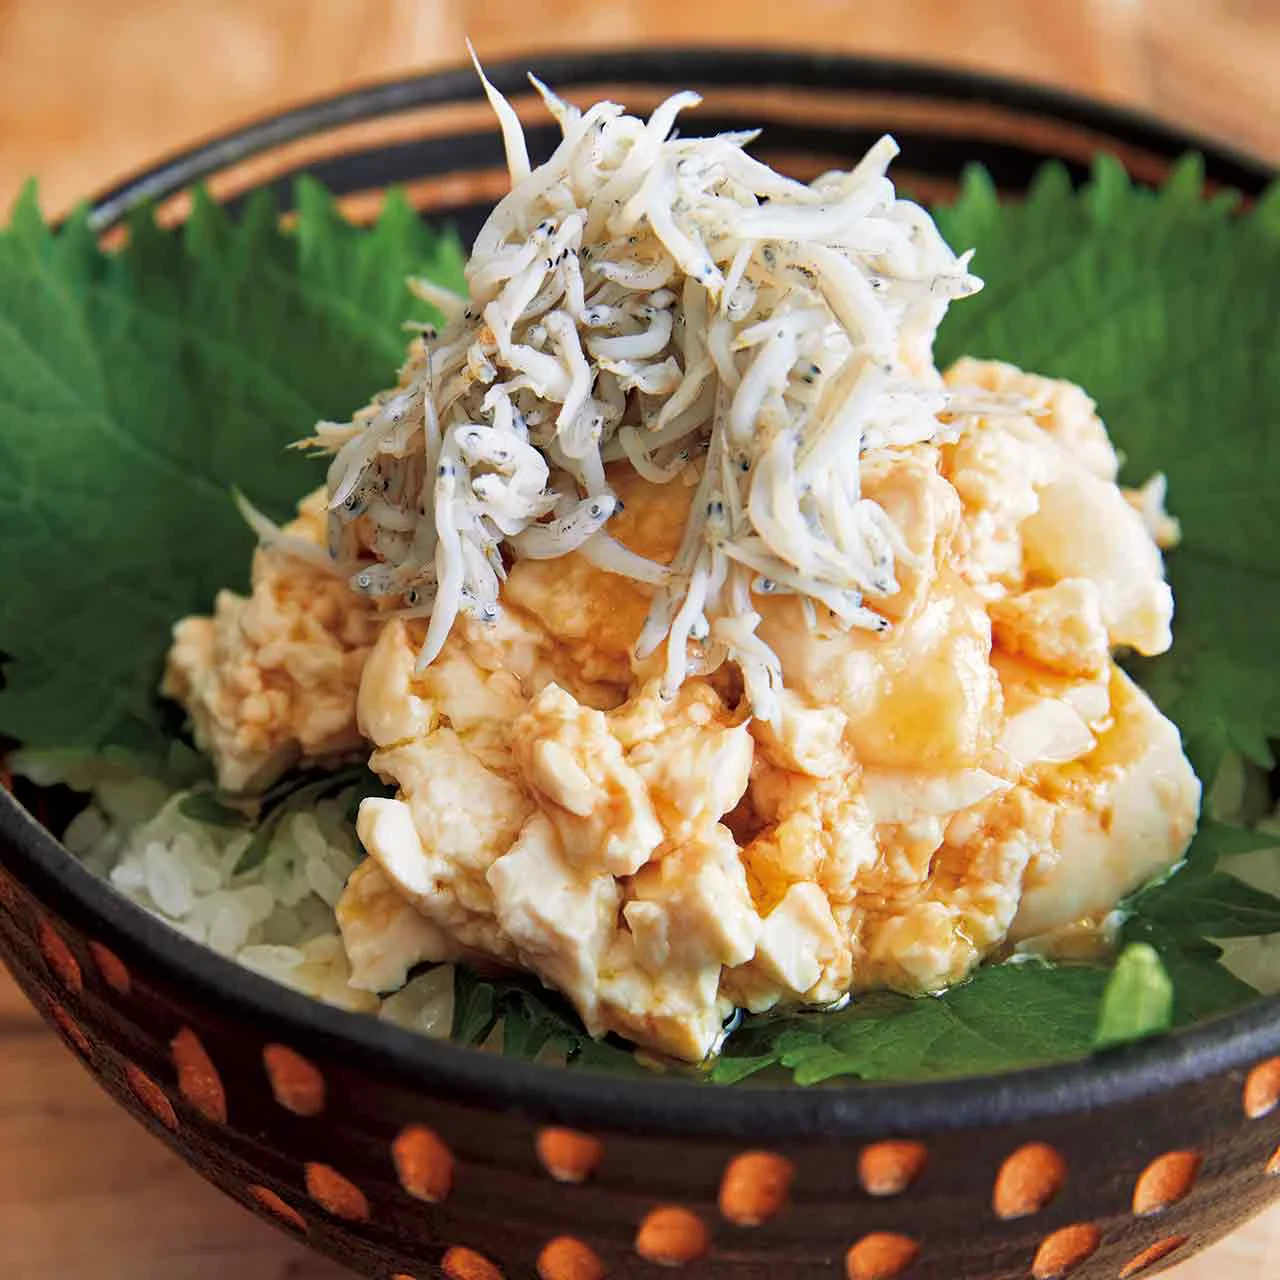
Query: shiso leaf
(136, 388)
(1005, 1016)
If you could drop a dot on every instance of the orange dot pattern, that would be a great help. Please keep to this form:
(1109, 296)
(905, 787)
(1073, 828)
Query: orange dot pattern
(672, 1236)
(568, 1259)
(278, 1208)
(335, 1194)
(57, 955)
(424, 1164)
(882, 1255)
(1149, 1257)
(111, 967)
(1273, 1165)
(296, 1084)
(198, 1079)
(1166, 1180)
(1262, 1089)
(67, 1026)
(569, 1156)
(1065, 1250)
(889, 1168)
(466, 1264)
(1028, 1181)
(151, 1095)
(755, 1187)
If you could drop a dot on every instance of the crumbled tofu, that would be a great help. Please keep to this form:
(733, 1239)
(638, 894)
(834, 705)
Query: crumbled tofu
(663, 860)
(437, 843)
(1062, 410)
(924, 934)
(692, 752)
(1148, 501)
(582, 780)
(1040, 505)
(271, 679)
(559, 917)
(804, 948)
(592, 847)
(1058, 627)
(382, 934)
(1085, 529)
(690, 919)
(979, 773)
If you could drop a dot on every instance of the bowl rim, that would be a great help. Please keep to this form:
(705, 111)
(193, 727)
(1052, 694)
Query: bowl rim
(586, 1100)
(666, 64)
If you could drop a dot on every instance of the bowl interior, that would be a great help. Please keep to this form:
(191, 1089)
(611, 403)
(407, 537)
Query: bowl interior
(434, 136)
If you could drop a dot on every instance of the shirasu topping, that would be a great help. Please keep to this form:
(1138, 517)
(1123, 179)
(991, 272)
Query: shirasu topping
(675, 303)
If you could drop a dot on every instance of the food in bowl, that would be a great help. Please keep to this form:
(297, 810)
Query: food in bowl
(720, 653)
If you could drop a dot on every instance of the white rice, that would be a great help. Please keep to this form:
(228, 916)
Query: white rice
(276, 918)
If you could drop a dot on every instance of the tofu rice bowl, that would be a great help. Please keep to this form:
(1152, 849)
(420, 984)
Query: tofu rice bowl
(710, 650)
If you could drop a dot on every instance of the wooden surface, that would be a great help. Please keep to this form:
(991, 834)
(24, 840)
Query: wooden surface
(90, 91)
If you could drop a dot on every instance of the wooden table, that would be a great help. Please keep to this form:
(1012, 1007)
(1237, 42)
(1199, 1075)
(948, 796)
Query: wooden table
(88, 92)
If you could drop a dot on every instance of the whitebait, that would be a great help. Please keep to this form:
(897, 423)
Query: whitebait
(673, 302)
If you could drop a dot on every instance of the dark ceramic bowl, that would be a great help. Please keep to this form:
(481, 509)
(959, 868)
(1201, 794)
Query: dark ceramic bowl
(406, 1157)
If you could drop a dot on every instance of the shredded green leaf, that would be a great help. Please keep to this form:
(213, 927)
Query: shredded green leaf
(206, 807)
(1138, 999)
(298, 792)
(137, 388)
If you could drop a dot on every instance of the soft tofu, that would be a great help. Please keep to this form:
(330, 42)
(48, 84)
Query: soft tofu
(437, 843)
(590, 854)
(690, 919)
(803, 947)
(1123, 814)
(692, 752)
(921, 696)
(1084, 528)
(1060, 628)
(1063, 411)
